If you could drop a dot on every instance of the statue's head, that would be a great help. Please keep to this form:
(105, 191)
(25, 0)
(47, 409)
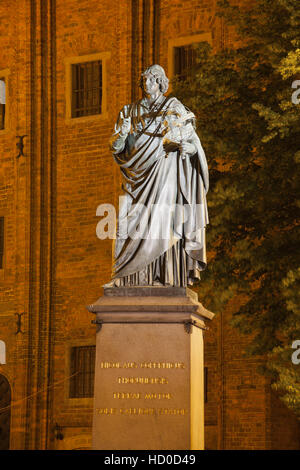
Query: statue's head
(158, 72)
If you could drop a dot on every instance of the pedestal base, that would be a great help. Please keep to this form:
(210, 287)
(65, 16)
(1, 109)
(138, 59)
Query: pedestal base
(149, 390)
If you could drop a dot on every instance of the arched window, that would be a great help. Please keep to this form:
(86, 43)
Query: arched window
(2, 352)
(5, 401)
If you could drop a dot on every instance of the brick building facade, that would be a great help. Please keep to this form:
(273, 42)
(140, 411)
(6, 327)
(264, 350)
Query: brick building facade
(53, 263)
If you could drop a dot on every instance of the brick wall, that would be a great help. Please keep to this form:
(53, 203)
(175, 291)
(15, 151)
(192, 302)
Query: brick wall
(86, 177)
(14, 204)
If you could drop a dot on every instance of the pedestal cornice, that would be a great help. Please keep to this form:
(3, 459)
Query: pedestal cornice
(150, 305)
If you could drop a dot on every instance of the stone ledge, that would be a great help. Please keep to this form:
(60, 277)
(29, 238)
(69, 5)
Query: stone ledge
(158, 317)
(115, 301)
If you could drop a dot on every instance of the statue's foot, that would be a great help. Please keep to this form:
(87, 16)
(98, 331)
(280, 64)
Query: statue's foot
(157, 283)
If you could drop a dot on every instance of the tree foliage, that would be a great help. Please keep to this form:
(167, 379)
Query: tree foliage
(250, 130)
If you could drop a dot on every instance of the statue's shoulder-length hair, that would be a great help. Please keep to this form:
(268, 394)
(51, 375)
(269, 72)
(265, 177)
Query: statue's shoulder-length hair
(158, 72)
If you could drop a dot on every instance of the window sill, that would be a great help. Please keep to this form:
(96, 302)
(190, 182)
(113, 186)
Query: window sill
(83, 119)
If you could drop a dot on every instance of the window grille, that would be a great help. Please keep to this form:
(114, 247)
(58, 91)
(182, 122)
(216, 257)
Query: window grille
(184, 60)
(83, 371)
(86, 88)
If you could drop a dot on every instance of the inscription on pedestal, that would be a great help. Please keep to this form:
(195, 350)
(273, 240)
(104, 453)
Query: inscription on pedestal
(145, 395)
(142, 387)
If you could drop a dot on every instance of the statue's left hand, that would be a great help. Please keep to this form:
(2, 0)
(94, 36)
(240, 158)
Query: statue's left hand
(187, 148)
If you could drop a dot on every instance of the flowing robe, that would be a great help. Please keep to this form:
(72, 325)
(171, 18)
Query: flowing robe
(160, 236)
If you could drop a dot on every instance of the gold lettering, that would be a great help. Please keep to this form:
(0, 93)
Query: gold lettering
(142, 411)
(106, 411)
(158, 396)
(142, 365)
(126, 395)
(137, 411)
(171, 411)
(130, 365)
(162, 365)
(142, 380)
(110, 365)
(118, 365)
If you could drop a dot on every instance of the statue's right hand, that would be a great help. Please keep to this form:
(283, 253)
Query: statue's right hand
(126, 126)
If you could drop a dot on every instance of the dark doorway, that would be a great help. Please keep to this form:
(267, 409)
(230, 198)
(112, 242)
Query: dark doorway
(5, 401)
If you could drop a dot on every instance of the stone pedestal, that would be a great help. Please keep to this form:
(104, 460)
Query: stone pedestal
(149, 391)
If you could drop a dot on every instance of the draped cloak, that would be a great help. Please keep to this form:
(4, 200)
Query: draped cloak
(162, 216)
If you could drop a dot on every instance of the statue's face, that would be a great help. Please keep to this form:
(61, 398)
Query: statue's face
(150, 84)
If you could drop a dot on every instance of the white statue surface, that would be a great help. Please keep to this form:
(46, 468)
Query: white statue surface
(160, 239)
